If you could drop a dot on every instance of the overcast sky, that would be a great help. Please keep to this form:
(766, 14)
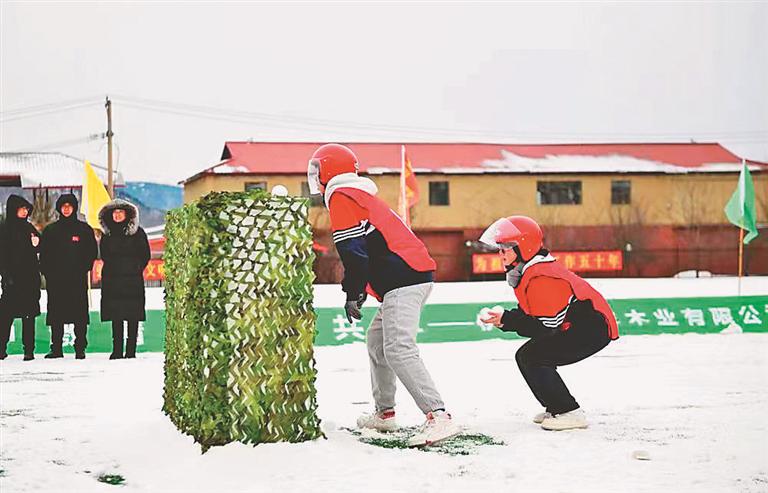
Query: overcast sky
(495, 72)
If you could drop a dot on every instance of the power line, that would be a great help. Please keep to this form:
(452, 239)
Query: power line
(236, 116)
(285, 121)
(46, 106)
(62, 143)
(229, 119)
(360, 128)
(49, 111)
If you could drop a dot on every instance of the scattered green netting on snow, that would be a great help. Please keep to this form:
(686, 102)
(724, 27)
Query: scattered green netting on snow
(463, 444)
(239, 362)
(113, 479)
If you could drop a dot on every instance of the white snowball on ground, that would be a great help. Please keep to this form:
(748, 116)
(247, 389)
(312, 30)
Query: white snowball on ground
(641, 455)
(279, 191)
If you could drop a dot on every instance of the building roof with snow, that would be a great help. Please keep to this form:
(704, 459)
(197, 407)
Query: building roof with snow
(47, 170)
(266, 158)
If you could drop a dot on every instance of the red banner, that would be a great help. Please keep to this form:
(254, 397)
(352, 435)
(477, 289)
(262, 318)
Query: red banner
(591, 261)
(155, 271)
(409, 189)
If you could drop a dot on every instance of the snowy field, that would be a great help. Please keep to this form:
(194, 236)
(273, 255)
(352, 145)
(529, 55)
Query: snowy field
(696, 404)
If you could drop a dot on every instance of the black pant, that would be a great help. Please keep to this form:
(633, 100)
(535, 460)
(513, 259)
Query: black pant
(57, 336)
(539, 358)
(27, 333)
(118, 333)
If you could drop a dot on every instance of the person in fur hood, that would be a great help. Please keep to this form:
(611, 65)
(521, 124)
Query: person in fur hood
(20, 272)
(125, 251)
(66, 257)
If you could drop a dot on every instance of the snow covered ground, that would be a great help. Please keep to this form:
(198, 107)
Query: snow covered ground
(695, 403)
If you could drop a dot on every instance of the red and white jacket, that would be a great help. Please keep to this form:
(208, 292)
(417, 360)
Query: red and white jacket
(378, 250)
(547, 290)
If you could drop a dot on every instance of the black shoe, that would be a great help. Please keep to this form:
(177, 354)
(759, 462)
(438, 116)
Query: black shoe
(54, 355)
(130, 355)
(29, 357)
(115, 356)
(3, 355)
(79, 354)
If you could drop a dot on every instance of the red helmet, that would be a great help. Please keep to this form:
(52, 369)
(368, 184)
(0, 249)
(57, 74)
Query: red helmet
(522, 232)
(330, 160)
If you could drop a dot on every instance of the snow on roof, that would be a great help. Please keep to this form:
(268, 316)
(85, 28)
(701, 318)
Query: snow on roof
(225, 169)
(473, 158)
(614, 163)
(49, 170)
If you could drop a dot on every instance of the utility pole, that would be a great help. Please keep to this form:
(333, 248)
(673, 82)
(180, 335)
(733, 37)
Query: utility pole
(110, 179)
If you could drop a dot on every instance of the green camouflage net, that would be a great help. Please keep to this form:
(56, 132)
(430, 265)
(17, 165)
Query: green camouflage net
(239, 360)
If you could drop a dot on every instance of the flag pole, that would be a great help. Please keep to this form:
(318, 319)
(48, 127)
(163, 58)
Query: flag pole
(110, 178)
(403, 204)
(741, 231)
(741, 257)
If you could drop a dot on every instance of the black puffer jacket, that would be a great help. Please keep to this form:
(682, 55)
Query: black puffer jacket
(125, 251)
(19, 265)
(67, 255)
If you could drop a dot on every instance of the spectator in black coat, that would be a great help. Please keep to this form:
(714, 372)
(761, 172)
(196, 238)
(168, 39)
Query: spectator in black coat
(66, 256)
(20, 271)
(125, 252)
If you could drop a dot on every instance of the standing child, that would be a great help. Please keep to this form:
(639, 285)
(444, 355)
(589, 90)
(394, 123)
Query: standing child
(381, 255)
(566, 318)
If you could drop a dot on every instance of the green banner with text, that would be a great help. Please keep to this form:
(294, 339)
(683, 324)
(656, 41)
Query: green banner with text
(460, 322)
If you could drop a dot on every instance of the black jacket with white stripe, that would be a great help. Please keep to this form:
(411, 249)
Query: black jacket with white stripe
(578, 315)
(367, 259)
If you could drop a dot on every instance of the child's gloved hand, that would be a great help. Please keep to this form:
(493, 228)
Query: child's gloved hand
(493, 318)
(352, 309)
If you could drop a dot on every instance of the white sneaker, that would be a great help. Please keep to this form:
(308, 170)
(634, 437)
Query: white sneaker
(566, 421)
(438, 426)
(539, 418)
(382, 421)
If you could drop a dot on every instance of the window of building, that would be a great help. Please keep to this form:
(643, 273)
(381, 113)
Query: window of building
(255, 185)
(314, 200)
(621, 192)
(558, 192)
(438, 193)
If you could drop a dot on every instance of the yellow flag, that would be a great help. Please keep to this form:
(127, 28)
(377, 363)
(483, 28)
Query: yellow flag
(94, 197)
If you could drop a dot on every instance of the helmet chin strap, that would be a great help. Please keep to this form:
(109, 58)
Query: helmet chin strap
(520, 258)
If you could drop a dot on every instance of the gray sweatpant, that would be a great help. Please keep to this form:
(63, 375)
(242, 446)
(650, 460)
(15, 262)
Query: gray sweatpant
(393, 352)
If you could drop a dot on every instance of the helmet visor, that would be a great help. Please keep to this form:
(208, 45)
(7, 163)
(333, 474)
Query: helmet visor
(313, 177)
(501, 234)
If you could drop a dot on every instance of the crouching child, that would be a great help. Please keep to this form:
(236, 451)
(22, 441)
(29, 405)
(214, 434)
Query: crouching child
(566, 319)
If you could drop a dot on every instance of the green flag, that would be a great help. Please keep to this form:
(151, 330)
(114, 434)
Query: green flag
(740, 209)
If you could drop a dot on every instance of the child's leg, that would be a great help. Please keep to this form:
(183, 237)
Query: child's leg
(539, 358)
(383, 381)
(401, 310)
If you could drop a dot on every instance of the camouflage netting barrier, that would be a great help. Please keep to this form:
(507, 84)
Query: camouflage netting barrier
(240, 325)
